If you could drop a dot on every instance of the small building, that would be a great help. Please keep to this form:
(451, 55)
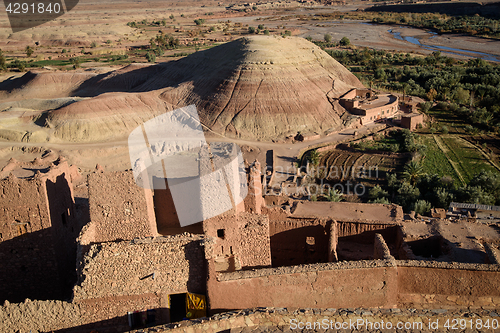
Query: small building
(412, 120)
(369, 106)
(475, 210)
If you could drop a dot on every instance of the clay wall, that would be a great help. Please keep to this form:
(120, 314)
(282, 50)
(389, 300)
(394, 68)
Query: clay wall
(254, 200)
(370, 284)
(385, 111)
(299, 241)
(162, 265)
(411, 122)
(365, 232)
(381, 250)
(333, 242)
(37, 236)
(119, 208)
(244, 237)
(103, 315)
(455, 284)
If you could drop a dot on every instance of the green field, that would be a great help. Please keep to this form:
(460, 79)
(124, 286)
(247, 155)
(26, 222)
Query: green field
(435, 161)
(468, 159)
(454, 150)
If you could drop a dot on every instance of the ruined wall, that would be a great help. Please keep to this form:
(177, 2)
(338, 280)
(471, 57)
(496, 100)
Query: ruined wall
(104, 315)
(166, 265)
(331, 285)
(37, 233)
(254, 200)
(381, 250)
(299, 241)
(119, 208)
(244, 236)
(365, 232)
(456, 284)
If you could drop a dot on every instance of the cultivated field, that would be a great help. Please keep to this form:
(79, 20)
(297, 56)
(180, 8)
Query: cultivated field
(367, 168)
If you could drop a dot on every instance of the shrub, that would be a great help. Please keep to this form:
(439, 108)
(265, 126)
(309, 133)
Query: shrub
(251, 30)
(334, 195)
(151, 57)
(422, 207)
(29, 51)
(327, 38)
(345, 41)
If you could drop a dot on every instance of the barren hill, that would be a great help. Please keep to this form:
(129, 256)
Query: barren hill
(257, 88)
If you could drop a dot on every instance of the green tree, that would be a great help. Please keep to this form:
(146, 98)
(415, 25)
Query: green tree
(261, 27)
(407, 194)
(75, 61)
(327, 38)
(266, 32)
(29, 51)
(251, 30)
(3, 62)
(413, 171)
(421, 207)
(380, 201)
(377, 192)
(431, 94)
(489, 182)
(380, 75)
(345, 41)
(151, 57)
(21, 65)
(334, 195)
(314, 157)
(461, 95)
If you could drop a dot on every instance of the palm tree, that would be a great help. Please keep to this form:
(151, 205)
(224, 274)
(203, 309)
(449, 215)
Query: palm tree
(413, 171)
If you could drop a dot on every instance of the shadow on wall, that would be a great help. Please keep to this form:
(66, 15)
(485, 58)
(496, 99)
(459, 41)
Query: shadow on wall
(135, 320)
(197, 274)
(29, 268)
(305, 245)
(361, 246)
(65, 228)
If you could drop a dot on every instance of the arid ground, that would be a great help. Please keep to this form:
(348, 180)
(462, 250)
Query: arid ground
(100, 30)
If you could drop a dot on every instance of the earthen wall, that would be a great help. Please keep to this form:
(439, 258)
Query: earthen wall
(245, 236)
(37, 235)
(119, 208)
(331, 285)
(450, 284)
(162, 265)
(299, 241)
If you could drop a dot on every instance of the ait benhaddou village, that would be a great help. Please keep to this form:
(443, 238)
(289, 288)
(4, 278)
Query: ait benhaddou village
(275, 166)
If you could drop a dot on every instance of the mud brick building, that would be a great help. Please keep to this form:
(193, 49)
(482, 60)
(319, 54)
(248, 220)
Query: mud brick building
(38, 232)
(315, 255)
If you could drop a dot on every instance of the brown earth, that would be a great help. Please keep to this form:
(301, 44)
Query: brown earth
(259, 87)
